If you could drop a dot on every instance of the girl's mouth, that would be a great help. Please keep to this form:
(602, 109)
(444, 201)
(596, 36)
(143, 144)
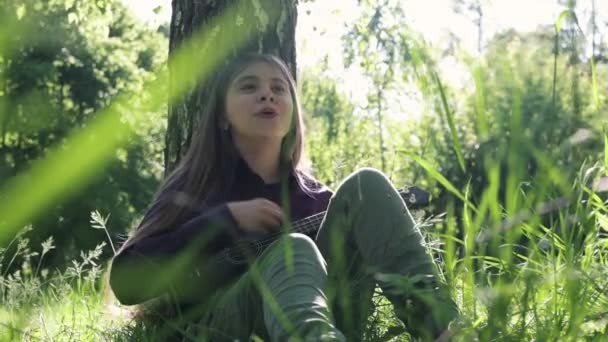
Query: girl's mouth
(267, 113)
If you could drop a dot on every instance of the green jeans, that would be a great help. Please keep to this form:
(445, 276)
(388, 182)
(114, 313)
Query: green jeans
(299, 289)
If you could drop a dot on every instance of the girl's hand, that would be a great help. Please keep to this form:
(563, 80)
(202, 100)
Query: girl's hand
(258, 215)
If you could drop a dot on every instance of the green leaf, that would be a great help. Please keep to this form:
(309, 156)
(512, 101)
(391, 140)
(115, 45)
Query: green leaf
(450, 118)
(21, 11)
(72, 18)
(560, 20)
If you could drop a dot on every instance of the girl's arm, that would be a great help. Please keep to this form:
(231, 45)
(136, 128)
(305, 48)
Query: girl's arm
(155, 264)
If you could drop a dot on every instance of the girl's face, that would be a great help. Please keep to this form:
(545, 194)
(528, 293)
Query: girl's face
(259, 103)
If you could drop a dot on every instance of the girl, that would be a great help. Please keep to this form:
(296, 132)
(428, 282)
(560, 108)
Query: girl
(243, 178)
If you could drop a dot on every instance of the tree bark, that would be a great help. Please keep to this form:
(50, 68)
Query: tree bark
(593, 28)
(273, 24)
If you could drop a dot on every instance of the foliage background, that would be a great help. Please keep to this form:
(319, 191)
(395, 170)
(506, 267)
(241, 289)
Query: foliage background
(73, 59)
(529, 127)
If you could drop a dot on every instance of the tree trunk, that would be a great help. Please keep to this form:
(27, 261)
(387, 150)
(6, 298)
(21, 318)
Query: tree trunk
(479, 22)
(273, 23)
(593, 28)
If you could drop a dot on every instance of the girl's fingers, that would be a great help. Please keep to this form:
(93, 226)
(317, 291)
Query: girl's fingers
(275, 210)
(279, 215)
(271, 217)
(270, 203)
(270, 222)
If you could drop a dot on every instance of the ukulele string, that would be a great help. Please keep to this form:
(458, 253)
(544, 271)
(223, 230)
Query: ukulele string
(301, 226)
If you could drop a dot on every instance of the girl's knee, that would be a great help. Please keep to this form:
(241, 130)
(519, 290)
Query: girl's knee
(295, 248)
(367, 178)
(365, 189)
(300, 241)
(297, 243)
(369, 173)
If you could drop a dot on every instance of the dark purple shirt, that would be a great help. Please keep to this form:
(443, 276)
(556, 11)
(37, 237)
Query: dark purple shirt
(143, 260)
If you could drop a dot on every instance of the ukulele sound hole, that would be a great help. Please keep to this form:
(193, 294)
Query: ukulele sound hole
(243, 252)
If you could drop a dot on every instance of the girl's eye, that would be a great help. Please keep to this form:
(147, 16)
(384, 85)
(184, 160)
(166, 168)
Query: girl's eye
(279, 89)
(248, 87)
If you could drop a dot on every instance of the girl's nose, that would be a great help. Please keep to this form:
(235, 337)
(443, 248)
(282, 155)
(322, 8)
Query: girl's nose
(263, 98)
(266, 95)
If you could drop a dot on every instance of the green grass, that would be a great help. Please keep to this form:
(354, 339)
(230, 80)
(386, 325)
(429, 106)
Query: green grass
(554, 288)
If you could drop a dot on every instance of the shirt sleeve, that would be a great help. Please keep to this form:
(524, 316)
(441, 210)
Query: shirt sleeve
(215, 227)
(166, 261)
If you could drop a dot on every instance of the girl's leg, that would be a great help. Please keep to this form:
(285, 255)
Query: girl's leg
(280, 296)
(369, 235)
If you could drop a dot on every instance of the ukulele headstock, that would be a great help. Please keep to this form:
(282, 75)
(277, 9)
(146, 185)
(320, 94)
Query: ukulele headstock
(415, 198)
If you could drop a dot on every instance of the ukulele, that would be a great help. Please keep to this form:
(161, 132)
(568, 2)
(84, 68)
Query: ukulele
(249, 248)
(224, 267)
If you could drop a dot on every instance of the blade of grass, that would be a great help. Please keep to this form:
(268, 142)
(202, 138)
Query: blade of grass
(558, 28)
(440, 178)
(480, 103)
(594, 88)
(450, 119)
(605, 150)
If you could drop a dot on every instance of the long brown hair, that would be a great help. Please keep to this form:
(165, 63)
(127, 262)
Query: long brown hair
(202, 170)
